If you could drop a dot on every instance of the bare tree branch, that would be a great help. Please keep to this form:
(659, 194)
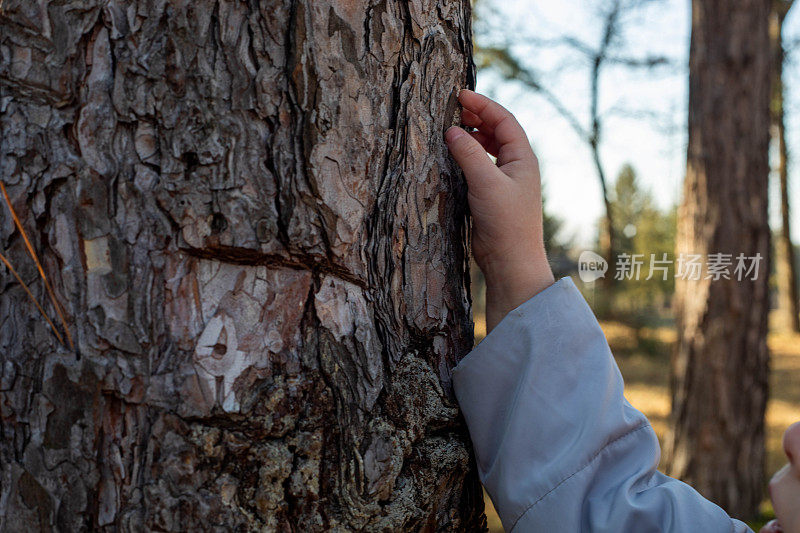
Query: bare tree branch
(503, 59)
(640, 62)
(508, 66)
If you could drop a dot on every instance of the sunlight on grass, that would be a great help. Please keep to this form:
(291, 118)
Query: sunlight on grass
(653, 402)
(480, 327)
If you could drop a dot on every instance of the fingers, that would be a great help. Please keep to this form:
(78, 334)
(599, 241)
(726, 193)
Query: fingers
(470, 156)
(487, 141)
(490, 113)
(483, 135)
(468, 118)
(492, 119)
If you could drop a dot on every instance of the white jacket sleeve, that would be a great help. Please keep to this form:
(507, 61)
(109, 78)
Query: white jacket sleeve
(558, 446)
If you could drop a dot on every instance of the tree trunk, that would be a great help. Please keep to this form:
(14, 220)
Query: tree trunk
(248, 214)
(608, 240)
(719, 371)
(785, 268)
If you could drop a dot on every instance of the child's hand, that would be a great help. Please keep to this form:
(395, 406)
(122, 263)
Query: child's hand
(506, 204)
(784, 487)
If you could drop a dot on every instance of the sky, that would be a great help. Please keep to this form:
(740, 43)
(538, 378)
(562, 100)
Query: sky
(644, 110)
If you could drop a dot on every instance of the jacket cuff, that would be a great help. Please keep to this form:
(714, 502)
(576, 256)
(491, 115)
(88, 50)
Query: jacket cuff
(541, 395)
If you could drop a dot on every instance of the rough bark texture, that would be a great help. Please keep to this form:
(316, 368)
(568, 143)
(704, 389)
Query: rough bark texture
(248, 213)
(721, 361)
(785, 267)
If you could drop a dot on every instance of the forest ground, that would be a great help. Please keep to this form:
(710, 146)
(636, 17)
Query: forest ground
(643, 357)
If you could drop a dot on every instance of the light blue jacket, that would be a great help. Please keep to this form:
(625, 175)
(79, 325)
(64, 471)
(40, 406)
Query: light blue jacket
(559, 449)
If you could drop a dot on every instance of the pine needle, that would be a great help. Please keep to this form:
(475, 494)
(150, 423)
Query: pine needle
(39, 307)
(33, 255)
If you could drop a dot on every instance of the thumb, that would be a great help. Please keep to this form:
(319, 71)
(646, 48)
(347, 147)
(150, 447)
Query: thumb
(470, 155)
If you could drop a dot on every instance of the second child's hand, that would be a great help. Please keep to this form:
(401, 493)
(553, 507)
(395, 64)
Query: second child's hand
(505, 201)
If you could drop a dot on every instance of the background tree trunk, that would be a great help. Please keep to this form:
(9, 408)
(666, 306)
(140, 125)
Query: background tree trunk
(249, 216)
(721, 362)
(785, 267)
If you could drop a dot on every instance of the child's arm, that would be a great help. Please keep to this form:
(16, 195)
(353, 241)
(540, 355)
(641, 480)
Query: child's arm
(558, 447)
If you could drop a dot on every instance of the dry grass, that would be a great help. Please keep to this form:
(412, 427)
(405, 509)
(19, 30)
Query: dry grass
(643, 358)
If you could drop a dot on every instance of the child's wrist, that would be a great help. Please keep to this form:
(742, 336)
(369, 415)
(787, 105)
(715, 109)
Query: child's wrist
(510, 284)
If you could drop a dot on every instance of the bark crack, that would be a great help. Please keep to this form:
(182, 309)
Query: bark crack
(249, 257)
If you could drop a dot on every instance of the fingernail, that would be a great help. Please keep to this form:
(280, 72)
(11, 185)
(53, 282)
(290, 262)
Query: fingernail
(453, 133)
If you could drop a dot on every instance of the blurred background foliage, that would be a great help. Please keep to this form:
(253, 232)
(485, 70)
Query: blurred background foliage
(570, 83)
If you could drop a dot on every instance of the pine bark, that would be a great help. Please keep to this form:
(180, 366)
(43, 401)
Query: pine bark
(248, 214)
(720, 367)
